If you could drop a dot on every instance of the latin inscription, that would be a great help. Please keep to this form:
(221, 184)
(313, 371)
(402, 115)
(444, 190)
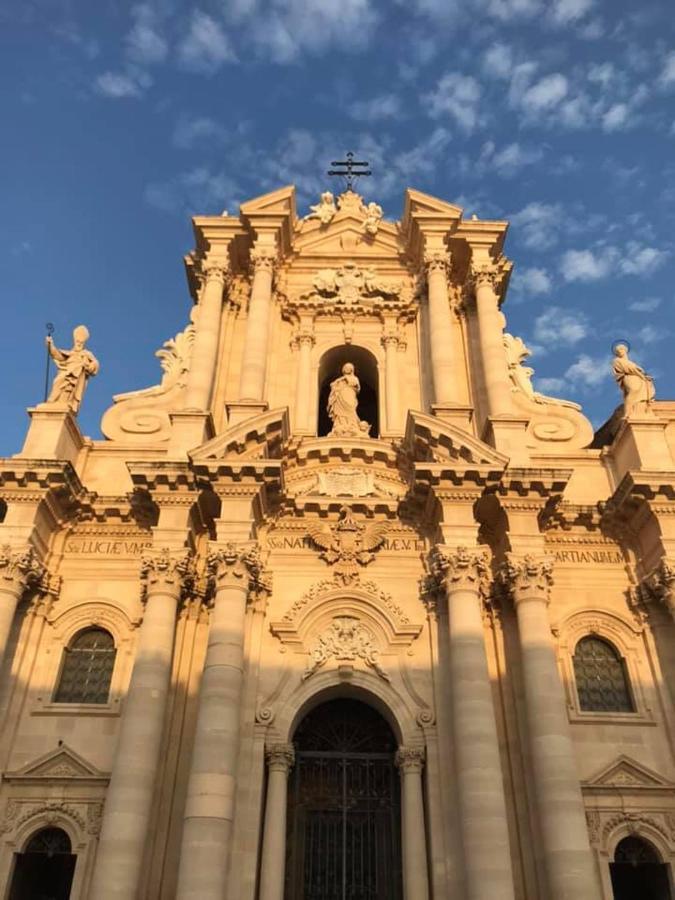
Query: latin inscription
(608, 557)
(296, 542)
(107, 547)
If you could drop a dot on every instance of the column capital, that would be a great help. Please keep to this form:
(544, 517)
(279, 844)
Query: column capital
(264, 258)
(167, 572)
(488, 274)
(437, 261)
(659, 584)
(390, 340)
(527, 577)
(238, 565)
(302, 337)
(410, 760)
(280, 757)
(20, 568)
(460, 569)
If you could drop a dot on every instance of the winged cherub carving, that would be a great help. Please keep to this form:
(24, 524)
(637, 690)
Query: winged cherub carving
(348, 544)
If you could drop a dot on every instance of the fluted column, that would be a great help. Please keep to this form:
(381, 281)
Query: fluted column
(304, 342)
(660, 584)
(491, 337)
(410, 762)
(480, 787)
(437, 263)
(390, 343)
(19, 569)
(280, 758)
(207, 336)
(254, 362)
(209, 807)
(126, 814)
(565, 849)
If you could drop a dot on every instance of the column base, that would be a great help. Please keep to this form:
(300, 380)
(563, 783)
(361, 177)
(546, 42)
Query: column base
(190, 428)
(455, 413)
(240, 410)
(53, 433)
(507, 434)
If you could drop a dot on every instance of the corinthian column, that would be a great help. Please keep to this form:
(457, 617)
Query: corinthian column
(19, 569)
(568, 864)
(483, 823)
(254, 363)
(126, 814)
(491, 337)
(304, 341)
(209, 807)
(437, 263)
(410, 761)
(280, 758)
(390, 342)
(207, 337)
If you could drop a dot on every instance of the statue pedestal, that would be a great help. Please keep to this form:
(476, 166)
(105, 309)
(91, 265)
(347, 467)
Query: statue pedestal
(458, 415)
(189, 429)
(240, 410)
(641, 443)
(507, 434)
(53, 433)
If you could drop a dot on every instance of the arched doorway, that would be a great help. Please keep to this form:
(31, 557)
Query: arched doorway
(45, 869)
(366, 371)
(344, 809)
(638, 873)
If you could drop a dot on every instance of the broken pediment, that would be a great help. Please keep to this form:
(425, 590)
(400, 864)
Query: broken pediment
(261, 437)
(431, 439)
(627, 772)
(61, 763)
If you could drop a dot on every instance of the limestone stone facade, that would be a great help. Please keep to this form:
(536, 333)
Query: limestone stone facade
(442, 564)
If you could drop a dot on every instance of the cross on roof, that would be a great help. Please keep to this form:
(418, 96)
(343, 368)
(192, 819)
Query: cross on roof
(347, 172)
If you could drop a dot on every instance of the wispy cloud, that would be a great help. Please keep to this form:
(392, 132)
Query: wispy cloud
(565, 12)
(594, 264)
(560, 326)
(456, 97)
(120, 85)
(206, 47)
(145, 43)
(667, 76)
(649, 304)
(538, 224)
(376, 109)
(530, 282)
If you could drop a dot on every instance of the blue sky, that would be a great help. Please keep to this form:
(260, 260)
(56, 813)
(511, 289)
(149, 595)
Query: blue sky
(120, 120)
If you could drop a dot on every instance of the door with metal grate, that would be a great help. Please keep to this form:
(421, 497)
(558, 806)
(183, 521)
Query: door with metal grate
(344, 808)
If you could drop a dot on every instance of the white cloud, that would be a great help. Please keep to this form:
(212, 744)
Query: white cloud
(668, 71)
(197, 191)
(532, 281)
(566, 12)
(588, 371)
(385, 106)
(615, 118)
(602, 73)
(505, 10)
(559, 326)
(588, 265)
(544, 385)
(538, 224)
(206, 47)
(498, 60)
(639, 260)
(545, 94)
(457, 96)
(513, 157)
(145, 44)
(119, 85)
(649, 304)
(649, 334)
(190, 131)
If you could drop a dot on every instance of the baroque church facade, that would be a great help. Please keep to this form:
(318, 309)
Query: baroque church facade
(342, 607)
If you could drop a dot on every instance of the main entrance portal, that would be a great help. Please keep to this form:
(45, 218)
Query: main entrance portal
(344, 815)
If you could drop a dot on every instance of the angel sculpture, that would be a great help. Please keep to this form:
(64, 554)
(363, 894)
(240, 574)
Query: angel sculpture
(325, 210)
(373, 217)
(348, 545)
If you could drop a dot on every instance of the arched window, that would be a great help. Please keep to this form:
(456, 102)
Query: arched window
(45, 868)
(87, 667)
(637, 871)
(600, 673)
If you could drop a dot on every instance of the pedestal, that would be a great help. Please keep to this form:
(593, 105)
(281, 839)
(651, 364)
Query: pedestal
(240, 410)
(190, 428)
(53, 434)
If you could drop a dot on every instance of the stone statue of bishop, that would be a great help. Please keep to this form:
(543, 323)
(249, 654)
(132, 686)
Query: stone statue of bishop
(75, 367)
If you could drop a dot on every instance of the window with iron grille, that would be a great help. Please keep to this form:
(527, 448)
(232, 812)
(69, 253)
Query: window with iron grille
(600, 673)
(86, 668)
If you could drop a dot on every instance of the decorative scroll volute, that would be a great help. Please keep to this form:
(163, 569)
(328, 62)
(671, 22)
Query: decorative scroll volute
(167, 572)
(460, 569)
(528, 577)
(19, 569)
(238, 565)
(410, 760)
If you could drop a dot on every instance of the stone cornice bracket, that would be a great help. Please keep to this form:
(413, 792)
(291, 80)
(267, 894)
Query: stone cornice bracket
(234, 564)
(20, 569)
(166, 571)
(527, 577)
(280, 757)
(460, 569)
(659, 585)
(410, 759)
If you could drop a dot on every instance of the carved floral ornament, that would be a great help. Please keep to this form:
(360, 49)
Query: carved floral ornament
(660, 585)
(348, 544)
(280, 757)
(239, 564)
(528, 577)
(166, 570)
(346, 639)
(410, 760)
(459, 569)
(19, 568)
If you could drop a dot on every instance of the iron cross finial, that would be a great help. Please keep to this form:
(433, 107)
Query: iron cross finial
(347, 172)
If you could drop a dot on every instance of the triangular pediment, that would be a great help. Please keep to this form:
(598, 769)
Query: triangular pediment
(344, 237)
(627, 772)
(434, 440)
(63, 762)
(259, 437)
(281, 201)
(417, 203)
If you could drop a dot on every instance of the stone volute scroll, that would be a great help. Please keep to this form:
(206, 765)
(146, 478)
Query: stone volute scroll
(75, 367)
(167, 572)
(636, 386)
(527, 577)
(342, 406)
(460, 569)
(240, 564)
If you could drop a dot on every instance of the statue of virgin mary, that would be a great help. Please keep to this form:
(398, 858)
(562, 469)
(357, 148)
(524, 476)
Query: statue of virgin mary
(342, 405)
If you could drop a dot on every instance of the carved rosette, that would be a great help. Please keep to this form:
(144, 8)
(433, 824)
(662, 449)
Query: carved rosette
(19, 569)
(460, 569)
(660, 584)
(239, 565)
(410, 760)
(280, 757)
(166, 572)
(527, 577)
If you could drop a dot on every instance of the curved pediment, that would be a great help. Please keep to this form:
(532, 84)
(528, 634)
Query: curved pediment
(431, 439)
(260, 437)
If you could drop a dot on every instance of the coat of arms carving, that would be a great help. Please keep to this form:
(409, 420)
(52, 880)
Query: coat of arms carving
(348, 544)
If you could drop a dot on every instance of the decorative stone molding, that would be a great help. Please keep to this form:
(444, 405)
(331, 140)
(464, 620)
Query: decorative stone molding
(528, 577)
(346, 639)
(460, 569)
(263, 259)
(232, 564)
(328, 587)
(660, 585)
(161, 570)
(410, 760)
(280, 757)
(348, 544)
(437, 260)
(19, 569)
(215, 270)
